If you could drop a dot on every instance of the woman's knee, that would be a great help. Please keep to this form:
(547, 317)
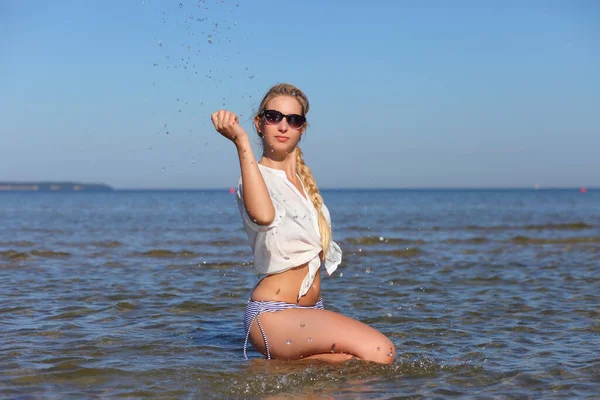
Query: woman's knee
(381, 352)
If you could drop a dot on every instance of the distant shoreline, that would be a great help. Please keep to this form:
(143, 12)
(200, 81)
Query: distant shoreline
(51, 186)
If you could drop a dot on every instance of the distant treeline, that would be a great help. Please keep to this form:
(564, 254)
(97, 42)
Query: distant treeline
(53, 187)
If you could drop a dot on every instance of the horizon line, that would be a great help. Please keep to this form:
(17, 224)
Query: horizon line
(12, 186)
(224, 188)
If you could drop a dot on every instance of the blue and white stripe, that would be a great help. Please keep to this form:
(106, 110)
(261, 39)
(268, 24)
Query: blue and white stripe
(255, 308)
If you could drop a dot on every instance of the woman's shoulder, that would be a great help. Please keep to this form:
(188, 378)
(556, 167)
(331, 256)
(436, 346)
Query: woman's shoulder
(269, 173)
(272, 180)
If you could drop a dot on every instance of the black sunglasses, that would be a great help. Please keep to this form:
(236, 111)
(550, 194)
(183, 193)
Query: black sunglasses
(295, 121)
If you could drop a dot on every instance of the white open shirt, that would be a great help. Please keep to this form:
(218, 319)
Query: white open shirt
(293, 238)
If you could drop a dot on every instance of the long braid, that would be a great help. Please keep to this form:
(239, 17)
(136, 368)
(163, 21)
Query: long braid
(315, 196)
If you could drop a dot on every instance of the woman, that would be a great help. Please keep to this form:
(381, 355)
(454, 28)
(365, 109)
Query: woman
(289, 230)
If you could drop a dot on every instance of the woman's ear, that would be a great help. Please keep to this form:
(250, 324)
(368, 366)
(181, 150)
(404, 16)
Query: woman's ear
(257, 125)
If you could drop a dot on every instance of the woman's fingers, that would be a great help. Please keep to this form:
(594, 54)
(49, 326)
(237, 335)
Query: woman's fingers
(226, 123)
(227, 119)
(216, 119)
(221, 117)
(232, 119)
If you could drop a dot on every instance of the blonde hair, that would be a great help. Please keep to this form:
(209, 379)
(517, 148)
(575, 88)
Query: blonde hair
(285, 89)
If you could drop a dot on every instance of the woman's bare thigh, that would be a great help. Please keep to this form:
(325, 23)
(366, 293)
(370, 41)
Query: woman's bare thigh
(297, 333)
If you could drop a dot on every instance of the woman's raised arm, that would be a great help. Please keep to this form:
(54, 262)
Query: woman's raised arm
(257, 200)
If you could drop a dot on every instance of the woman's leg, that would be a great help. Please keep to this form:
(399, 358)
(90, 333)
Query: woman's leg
(331, 357)
(301, 333)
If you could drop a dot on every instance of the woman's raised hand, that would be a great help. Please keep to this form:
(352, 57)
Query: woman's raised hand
(227, 124)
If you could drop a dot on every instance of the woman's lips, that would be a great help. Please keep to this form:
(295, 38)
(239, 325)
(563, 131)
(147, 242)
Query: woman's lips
(281, 138)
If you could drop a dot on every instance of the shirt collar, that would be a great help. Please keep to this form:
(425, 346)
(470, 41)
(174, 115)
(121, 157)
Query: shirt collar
(279, 172)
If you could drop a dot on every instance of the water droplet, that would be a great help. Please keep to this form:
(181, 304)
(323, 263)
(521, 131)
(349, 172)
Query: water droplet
(390, 354)
(180, 5)
(160, 43)
(302, 325)
(341, 274)
(389, 315)
(310, 339)
(288, 341)
(379, 349)
(193, 161)
(391, 283)
(368, 270)
(163, 169)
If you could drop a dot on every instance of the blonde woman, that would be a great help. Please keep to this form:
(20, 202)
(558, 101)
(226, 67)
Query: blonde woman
(289, 230)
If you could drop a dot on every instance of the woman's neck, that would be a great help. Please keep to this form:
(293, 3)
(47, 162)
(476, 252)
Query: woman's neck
(287, 163)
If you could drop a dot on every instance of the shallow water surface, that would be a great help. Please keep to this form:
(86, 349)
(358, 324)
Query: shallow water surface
(141, 294)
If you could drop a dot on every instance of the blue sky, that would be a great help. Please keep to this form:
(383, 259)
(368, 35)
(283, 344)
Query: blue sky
(403, 94)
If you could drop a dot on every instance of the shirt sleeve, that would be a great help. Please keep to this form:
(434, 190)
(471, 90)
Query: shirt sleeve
(279, 210)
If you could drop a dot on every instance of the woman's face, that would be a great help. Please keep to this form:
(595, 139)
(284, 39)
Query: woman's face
(280, 139)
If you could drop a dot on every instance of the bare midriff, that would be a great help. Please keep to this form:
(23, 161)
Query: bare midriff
(285, 287)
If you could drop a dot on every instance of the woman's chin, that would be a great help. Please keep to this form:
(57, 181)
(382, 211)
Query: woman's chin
(280, 149)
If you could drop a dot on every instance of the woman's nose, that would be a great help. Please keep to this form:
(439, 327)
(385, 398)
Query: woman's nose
(283, 126)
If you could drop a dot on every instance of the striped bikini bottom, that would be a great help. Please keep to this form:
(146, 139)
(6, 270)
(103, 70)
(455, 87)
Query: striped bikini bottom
(255, 308)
